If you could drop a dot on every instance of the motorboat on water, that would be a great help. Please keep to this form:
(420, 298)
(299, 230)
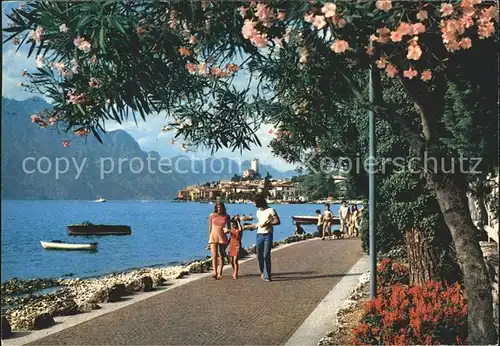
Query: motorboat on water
(88, 228)
(100, 200)
(311, 220)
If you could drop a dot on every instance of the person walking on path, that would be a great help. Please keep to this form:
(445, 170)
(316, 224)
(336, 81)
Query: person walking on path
(327, 223)
(266, 218)
(319, 227)
(353, 223)
(218, 222)
(344, 217)
(236, 232)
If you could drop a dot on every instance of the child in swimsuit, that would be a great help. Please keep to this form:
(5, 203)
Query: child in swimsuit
(236, 232)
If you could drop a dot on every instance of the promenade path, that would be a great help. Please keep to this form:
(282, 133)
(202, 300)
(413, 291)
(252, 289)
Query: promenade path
(247, 311)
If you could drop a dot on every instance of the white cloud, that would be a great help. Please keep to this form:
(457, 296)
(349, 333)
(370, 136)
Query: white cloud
(12, 65)
(150, 138)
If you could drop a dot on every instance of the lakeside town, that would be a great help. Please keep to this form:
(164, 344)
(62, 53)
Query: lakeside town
(241, 189)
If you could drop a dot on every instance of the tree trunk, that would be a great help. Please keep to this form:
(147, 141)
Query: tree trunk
(451, 195)
(483, 213)
(430, 257)
(421, 256)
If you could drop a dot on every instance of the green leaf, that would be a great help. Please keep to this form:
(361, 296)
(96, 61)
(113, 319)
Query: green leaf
(115, 115)
(83, 22)
(120, 27)
(12, 29)
(101, 38)
(80, 108)
(32, 48)
(96, 134)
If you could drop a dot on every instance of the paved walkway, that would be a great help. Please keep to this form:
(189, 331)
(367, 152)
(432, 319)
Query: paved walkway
(247, 311)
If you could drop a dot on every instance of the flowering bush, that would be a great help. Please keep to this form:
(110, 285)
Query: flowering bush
(181, 52)
(390, 272)
(429, 314)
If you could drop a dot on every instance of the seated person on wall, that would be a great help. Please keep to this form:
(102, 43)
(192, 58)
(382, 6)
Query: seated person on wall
(299, 230)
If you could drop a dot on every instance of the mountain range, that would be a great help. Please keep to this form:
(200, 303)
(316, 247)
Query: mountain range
(88, 169)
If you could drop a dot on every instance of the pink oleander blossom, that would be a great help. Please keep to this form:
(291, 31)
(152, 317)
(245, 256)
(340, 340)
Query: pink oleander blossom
(426, 75)
(446, 10)
(339, 46)
(319, 22)
(95, 82)
(263, 12)
(82, 44)
(35, 118)
(410, 73)
(384, 5)
(36, 35)
(74, 98)
(63, 28)
(414, 52)
(422, 15)
(39, 61)
(391, 71)
(329, 9)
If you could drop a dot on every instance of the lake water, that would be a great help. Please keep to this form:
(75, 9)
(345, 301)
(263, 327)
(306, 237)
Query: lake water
(163, 233)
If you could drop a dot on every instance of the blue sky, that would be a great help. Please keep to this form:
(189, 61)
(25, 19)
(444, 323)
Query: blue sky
(147, 134)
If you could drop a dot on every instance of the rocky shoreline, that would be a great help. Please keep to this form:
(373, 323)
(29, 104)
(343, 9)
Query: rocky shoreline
(23, 311)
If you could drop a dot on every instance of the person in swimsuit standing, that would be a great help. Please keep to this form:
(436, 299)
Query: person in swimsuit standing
(327, 223)
(344, 216)
(218, 223)
(353, 221)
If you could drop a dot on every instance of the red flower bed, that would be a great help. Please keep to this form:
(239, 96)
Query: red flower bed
(390, 273)
(400, 315)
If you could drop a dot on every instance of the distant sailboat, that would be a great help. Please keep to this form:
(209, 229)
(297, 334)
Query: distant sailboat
(100, 200)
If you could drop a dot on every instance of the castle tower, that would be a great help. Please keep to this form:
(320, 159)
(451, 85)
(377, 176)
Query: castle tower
(255, 165)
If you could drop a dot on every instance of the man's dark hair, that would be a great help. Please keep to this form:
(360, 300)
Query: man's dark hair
(318, 211)
(260, 201)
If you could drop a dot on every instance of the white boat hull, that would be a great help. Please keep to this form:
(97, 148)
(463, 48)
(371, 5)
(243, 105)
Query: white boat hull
(68, 246)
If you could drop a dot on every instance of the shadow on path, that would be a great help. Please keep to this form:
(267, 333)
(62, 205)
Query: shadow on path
(278, 277)
(282, 273)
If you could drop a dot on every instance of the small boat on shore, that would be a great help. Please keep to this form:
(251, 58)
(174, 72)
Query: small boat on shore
(60, 245)
(100, 200)
(311, 220)
(91, 229)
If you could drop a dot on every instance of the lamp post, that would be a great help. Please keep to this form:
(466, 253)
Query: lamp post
(371, 187)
